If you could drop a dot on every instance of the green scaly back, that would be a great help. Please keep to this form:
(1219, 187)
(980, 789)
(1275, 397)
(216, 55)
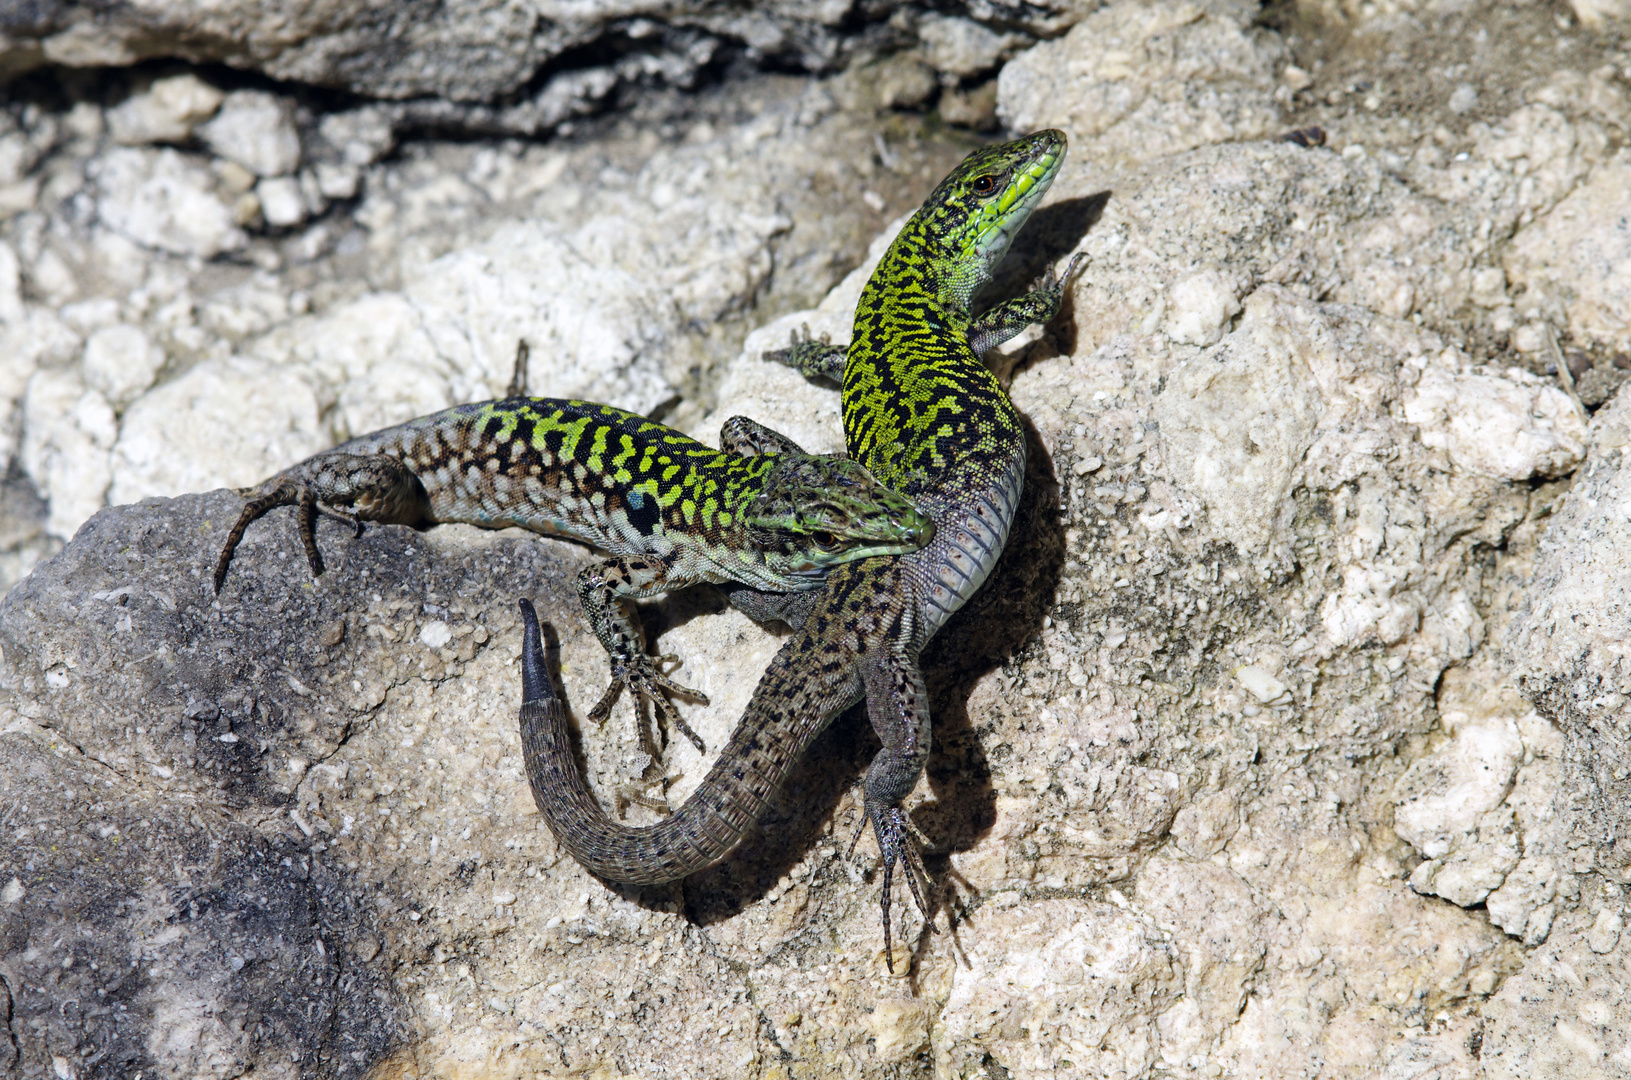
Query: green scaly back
(917, 399)
(927, 417)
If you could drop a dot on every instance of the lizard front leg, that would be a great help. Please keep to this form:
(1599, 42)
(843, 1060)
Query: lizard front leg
(376, 488)
(605, 590)
(748, 438)
(1010, 317)
(898, 705)
(814, 358)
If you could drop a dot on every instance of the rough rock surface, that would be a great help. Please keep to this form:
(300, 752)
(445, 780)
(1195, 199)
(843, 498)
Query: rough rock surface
(1569, 644)
(1288, 738)
(483, 51)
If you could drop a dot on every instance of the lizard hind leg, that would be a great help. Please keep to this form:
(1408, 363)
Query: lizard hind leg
(898, 843)
(898, 706)
(377, 486)
(280, 491)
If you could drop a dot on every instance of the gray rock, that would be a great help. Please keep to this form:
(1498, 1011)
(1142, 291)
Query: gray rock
(256, 130)
(238, 933)
(135, 939)
(471, 51)
(1569, 643)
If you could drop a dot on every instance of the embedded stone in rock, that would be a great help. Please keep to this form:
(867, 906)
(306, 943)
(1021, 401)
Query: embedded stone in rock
(1579, 256)
(1478, 865)
(281, 201)
(960, 46)
(896, 82)
(1200, 306)
(1237, 420)
(1525, 905)
(1263, 685)
(166, 111)
(360, 136)
(1443, 794)
(163, 199)
(121, 361)
(1513, 426)
(67, 433)
(256, 130)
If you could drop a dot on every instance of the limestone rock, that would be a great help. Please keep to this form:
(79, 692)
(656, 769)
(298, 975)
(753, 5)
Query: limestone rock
(121, 361)
(1443, 795)
(1134, 81)
(245, 420)
(963, 47)
(256, 130)
(167, 111)
(1090, 975)
(1513, 426)
(1569, 643)
(163, 200)
(1579, 256)
(1566, 1013)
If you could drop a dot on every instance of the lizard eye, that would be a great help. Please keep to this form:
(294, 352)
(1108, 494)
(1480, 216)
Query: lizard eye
(826, 541)
(984, 184)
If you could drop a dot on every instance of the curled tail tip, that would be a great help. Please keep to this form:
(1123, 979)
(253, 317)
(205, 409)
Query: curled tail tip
(535, 685)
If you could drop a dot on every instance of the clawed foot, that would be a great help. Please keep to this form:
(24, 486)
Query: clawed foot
(630, 794)
(375, 487)
(798, 340)
(269, 496)
(1051, 281)
(643, 677)
(814, 357)
(898, 842)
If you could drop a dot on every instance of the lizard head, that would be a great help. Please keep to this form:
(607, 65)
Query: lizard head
(818, 512)
(967, 223)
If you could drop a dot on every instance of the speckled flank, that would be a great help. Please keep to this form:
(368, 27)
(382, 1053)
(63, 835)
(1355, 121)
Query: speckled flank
(668, 509)
(927, 417)
(575, 468)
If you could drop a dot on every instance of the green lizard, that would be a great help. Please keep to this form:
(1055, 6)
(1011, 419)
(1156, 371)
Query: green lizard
(929, 419)
(670, 510)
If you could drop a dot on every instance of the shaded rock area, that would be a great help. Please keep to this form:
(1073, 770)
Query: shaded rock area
(517, 68)
(1288, 738)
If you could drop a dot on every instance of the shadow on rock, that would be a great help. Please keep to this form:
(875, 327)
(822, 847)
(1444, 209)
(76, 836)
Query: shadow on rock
(1006, 611)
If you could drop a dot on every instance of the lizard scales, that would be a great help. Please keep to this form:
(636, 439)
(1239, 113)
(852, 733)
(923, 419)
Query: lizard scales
(928, 418)
(672, 511)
